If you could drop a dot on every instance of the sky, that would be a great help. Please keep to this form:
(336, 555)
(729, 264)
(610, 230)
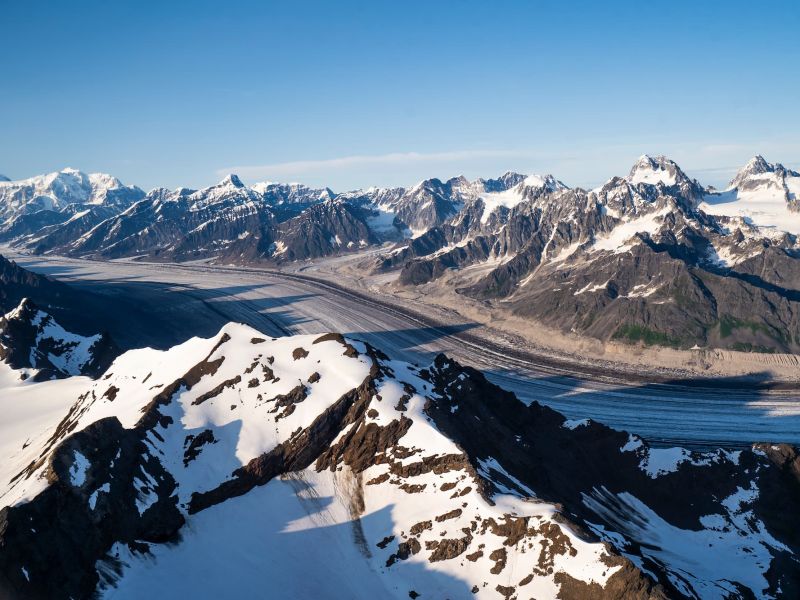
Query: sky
(351, 94)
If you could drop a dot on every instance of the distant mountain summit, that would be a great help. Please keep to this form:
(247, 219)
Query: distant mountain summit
(758, 171)
(55, 191)
(652, 170)
(762, 194)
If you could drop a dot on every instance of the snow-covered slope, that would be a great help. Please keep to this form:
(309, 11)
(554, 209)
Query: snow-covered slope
(528, 189)
(315, 466)
(55, 191)
(762, 194)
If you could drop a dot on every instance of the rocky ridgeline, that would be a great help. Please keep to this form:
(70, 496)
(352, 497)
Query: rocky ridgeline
(417, 481)
(638, 259)
(652, 257)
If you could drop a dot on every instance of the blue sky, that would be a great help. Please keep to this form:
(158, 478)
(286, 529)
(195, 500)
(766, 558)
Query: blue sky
(350, 94)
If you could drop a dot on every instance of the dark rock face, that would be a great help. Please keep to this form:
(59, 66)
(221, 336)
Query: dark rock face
(178, 225)
(17, 283)
(322, 230)
(429, 204)
(432, 203)
(31, 223)
(89, 505)
(31, 339)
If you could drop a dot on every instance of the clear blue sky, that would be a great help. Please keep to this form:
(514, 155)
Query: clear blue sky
(352, 94)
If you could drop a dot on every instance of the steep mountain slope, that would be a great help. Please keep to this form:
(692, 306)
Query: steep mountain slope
(321, 230)
(17, 283)
(289, 200)
(317, 466)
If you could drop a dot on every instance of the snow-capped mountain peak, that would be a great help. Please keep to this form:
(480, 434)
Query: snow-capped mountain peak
(57, 190)
(653, 170)
(547, 182)
(763, 194)
(757, 164)
(529, 187)
(758, 171)
(231, 180)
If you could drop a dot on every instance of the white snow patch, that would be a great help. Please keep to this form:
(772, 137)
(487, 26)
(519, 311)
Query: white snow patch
(106, 488)
(634, 443)
(592, 287)
(78, 469)
(764, 207)
(615, 240)
(660, 461)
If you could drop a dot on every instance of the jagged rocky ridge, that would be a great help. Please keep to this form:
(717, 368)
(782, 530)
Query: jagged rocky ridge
(228, 222)
(319, 467)
(652, 257)
(35, 345)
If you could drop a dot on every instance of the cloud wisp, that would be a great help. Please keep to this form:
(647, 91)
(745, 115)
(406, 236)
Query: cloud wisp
(397, 159)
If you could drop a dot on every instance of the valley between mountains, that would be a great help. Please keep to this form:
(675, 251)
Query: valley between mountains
(668, 406)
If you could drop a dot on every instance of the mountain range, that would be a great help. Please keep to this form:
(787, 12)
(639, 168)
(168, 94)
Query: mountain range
(652, 257)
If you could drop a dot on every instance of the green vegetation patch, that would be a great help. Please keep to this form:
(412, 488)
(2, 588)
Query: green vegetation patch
(650, 337)
(727, 324)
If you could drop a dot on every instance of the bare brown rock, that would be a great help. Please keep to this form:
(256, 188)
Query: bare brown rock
(217, 390)
(418, 528)
(499, 556)
(453, 514)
